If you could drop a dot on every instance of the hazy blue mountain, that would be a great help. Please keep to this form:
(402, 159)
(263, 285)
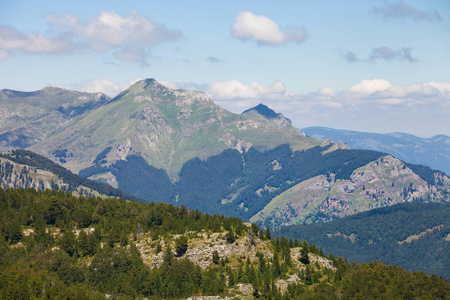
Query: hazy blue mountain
(29, 117)
(433, 152)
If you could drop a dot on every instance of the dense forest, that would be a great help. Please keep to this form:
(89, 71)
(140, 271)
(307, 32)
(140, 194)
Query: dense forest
(415, 236)
(57, 246)
(205, 185)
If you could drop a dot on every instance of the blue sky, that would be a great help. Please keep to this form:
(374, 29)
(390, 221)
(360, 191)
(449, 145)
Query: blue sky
(379, 66)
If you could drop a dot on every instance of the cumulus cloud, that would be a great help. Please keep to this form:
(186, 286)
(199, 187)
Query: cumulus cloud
(404, 11)
(128, 37)
(367, 87)
(111, 30)
(105, 86)
(265, 31)
(12, 40)
(234, 89)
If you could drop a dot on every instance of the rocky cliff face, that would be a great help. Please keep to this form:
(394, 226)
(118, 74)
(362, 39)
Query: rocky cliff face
(383, 182)
(13, 175)
(16, 175)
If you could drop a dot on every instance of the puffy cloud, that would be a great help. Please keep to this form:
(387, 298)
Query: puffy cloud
(109, 29)
(404, 11)
(367, 87)
(248, 26)
(326, 91)
(233, 89)
(127, 37)
(12, 40)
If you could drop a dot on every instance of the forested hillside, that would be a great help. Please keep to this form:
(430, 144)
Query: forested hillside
(280, 187)
(55, 245)
(415, 236)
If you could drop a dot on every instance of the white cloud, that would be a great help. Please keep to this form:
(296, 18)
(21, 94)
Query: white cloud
(12, 40)
(366, 87)
(233, 89)
(128, 38)
(110, 30)
(248, 26)
(326, 91)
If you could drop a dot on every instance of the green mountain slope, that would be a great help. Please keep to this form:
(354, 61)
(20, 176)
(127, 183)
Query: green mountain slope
(57, 246)
(166, 127)
(25, 169)
(29, 117)
(415, 236)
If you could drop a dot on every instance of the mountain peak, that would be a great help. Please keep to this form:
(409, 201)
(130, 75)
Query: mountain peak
(264, 111)
(153, 91)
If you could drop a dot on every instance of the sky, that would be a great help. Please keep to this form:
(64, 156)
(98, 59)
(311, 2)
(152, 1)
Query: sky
(376, 66)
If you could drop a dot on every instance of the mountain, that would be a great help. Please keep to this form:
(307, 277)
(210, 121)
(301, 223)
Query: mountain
(415, 236)
(25, 169)
(263, 113)
(433, 152)
(176, 146)
(166, 127)
(29, 117)
(57, 246)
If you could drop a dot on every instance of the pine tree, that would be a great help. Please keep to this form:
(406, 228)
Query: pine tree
(181, 245)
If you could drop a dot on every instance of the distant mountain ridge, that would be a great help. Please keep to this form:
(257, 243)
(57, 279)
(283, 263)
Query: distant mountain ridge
(433, 152)
(28, 117)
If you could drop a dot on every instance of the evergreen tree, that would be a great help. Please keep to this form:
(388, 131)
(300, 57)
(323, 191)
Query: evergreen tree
(181, 245)
(215, 257)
